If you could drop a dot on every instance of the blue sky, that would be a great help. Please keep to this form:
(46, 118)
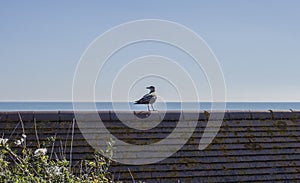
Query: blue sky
(256, 42)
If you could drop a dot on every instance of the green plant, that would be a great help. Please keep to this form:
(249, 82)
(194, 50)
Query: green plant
(26, 165)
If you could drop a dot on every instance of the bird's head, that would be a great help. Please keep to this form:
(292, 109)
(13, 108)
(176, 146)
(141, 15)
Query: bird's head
(151, 88)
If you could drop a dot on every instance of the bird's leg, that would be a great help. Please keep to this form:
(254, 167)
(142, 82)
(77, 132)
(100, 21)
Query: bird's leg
(152, 107)
(148, 107)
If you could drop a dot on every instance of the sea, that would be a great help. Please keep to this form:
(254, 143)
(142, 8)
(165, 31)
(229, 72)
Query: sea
(125, 106)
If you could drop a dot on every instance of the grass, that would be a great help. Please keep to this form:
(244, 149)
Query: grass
(22, 164)
(35, 165)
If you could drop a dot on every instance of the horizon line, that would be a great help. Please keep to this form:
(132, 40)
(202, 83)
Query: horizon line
(69, 101)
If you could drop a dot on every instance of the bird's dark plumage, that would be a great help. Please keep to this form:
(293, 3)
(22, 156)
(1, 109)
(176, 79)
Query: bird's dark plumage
(149, 98)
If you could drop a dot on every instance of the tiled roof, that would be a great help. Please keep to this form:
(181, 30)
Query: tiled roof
(250, 146)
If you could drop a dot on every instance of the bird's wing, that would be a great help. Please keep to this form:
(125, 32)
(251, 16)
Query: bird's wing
(145, 99)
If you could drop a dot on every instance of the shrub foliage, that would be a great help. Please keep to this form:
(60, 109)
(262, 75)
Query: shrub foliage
(27, 165)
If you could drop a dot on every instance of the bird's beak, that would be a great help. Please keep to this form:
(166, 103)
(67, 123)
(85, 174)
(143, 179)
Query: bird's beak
(147, 87)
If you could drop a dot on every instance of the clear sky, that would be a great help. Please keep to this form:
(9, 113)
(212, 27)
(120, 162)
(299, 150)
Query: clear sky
(257, 43)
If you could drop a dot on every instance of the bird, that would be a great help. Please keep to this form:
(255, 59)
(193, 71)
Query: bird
(148, 99)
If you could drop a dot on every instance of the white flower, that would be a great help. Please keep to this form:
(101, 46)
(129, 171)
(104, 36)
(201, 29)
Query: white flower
(3, 141)
(39, 152)
(24, 136)
(18, 142)
(56, 170)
